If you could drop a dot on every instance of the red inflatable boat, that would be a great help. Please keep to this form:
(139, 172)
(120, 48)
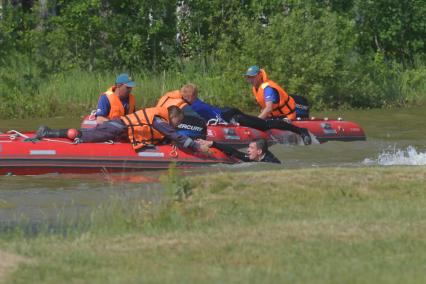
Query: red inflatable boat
(21, 157)
(323, 130)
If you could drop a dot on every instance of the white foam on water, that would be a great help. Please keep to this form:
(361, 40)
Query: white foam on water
(410, 156)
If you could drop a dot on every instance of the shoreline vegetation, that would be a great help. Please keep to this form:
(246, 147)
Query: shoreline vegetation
(76, 93)
(57, 57)
(325, 225)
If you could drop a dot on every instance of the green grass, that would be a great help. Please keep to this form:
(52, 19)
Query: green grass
(77, 92)
(333, 225)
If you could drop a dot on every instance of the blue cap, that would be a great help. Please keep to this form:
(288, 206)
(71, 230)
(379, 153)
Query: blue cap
(125, 79)
(253, 70)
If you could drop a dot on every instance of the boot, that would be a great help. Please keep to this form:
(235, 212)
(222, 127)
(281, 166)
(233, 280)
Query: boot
(306, 137)
(45, 131)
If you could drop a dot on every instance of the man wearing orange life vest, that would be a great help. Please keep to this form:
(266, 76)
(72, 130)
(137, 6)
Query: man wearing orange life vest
(273, 100)
(179, 98)
(193, 125)
(149, 126)
(117, 100)
(207, 112)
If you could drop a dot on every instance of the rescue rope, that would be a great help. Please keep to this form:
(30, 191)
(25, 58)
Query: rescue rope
(216, 121)
(54, 140)
(173, 152)
(15, 134)
(92, 115)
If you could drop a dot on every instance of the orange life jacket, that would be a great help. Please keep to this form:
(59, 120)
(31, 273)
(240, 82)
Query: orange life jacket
(117, 108)
(286, 107)
(140, 130)
(173, 98)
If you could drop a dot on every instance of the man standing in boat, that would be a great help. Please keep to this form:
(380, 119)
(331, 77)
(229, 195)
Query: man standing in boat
(207, 112)
(149, 126)
(117, 101)
(257, 151)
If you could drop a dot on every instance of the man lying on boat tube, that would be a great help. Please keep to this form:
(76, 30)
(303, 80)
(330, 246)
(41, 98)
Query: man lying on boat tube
(149, 126)
(193, 125)
(187, 98)
(257, 151)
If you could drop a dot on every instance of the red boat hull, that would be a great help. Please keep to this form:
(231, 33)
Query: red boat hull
(323, 129)
(19, 157)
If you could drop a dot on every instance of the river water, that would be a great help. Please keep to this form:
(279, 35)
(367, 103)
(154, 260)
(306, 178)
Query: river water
(394, 137)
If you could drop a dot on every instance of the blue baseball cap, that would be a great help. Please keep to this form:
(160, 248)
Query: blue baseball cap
(125, 79)
(252, 71)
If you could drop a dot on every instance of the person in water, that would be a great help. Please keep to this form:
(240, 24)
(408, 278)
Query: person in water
(117, 101)
(207, 112)
(149, 126)
(257, 151)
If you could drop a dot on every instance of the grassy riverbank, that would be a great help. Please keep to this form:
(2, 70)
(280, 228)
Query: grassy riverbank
(360, 225)
(76, 92)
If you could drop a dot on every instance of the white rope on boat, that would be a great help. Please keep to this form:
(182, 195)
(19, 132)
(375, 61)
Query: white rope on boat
(54, 140)
(15, 134)
(216, 121)
(92, 115)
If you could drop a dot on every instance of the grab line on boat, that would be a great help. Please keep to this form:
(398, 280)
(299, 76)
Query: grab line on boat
(14, 134)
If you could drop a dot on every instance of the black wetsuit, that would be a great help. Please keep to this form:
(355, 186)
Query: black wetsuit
(267, 158)
(244, 119)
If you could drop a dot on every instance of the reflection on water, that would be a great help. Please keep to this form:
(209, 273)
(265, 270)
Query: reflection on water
(40, 198)
(394, 137)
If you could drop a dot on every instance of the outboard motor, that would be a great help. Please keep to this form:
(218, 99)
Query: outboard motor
(193, 127)
(302, 106)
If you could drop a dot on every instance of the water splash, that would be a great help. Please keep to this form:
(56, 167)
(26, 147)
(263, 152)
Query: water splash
(410, 156)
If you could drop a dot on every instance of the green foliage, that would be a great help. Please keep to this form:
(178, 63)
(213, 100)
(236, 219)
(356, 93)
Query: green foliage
(337, 53)
(177, 187)
(396, 28)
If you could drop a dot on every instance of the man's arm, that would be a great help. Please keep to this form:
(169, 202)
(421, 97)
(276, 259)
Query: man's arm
(101, 119)
(228, 150)
(103, 109)
(271, 97)
(266, 111)
(183, 141)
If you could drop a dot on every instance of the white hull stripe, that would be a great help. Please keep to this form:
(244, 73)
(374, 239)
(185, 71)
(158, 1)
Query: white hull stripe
(150, 154)
(42, 152)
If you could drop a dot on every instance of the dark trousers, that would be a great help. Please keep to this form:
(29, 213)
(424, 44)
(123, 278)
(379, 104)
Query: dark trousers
(256, 122)
(114, 130)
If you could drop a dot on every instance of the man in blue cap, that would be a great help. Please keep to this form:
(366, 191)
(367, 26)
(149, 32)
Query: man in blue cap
(273, 100)
(117, 101)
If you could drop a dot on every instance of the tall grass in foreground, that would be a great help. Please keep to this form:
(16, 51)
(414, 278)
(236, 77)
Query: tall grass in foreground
(327, 225)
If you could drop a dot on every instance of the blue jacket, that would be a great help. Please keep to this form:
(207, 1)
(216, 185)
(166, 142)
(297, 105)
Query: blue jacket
(206, 110)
